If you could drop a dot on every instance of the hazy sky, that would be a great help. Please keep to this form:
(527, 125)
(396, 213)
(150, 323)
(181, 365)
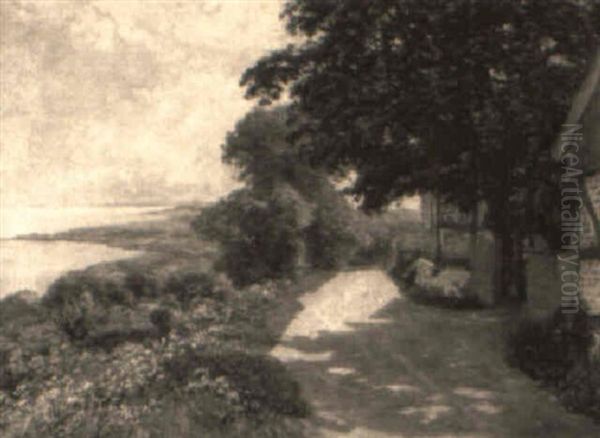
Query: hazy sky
(103, 100)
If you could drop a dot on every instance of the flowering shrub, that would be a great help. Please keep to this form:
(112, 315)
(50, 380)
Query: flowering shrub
(120, 388)
(194, 380)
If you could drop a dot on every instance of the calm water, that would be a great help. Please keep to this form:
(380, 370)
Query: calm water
(35, 265)
(27, 220)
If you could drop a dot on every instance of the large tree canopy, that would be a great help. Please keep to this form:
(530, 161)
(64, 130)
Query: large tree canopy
(460, 97)
(463, 97)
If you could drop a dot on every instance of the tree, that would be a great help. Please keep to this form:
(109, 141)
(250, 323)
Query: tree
(287, 209)
(259, 235)
(258, 147)
(459, 97)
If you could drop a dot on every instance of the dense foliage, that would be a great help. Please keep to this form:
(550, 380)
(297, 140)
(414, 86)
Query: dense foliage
(559, 353)
(288, 216)
(414, 94)
(330, 238)
(463, 98)
(259, 236)
(197, 370)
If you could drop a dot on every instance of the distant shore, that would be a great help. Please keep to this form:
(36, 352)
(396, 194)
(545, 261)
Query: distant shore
(164, 241)
(150, 235)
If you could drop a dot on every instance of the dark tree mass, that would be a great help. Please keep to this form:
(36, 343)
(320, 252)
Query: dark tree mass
(461, 98)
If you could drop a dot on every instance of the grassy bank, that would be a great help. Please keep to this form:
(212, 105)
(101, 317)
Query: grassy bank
(158, 345)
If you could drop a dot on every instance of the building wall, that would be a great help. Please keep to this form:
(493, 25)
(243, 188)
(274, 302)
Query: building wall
(589, 272)
(593, 186)
(591, 132)
(450, 215)
(590, 284)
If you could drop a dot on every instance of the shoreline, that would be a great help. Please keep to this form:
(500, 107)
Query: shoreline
(137, 235)
(99, 336)
(162, 242)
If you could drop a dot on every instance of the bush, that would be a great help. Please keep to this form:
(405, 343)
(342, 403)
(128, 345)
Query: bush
(377, 251)
(71, 300)
(162, 320)
(259, 235)
(19, 308)
(556, 352)
(548, 349)
(8, 380)
(79, 302)
(330, 241)
(188, 285)
(141, 284)
(109, 339)
(581, 389)
(111, 293)
(263, 384)
(72, 285)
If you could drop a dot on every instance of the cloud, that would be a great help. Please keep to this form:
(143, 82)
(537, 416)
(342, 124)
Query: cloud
(104, 94)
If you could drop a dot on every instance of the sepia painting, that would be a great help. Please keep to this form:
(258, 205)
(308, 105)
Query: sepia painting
(300, 218)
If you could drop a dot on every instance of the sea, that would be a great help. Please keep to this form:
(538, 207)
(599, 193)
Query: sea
(33, 265)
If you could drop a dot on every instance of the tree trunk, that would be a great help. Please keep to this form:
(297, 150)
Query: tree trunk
(509, 267)
(507, 264)
(498, 274)
(438, 231)
(473, 228)
(503, 265)
(520, 270)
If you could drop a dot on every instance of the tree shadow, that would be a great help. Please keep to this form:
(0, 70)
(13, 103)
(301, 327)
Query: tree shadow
(421, 371)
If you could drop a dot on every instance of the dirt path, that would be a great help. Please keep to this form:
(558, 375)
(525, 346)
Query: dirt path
(376, 365)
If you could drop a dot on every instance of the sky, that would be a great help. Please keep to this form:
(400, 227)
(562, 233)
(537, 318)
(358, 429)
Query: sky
(114, 101)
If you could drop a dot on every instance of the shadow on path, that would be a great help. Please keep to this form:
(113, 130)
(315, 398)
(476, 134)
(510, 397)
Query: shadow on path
(373, 364)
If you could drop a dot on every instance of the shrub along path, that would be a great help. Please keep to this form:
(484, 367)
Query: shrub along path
(374, 364)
